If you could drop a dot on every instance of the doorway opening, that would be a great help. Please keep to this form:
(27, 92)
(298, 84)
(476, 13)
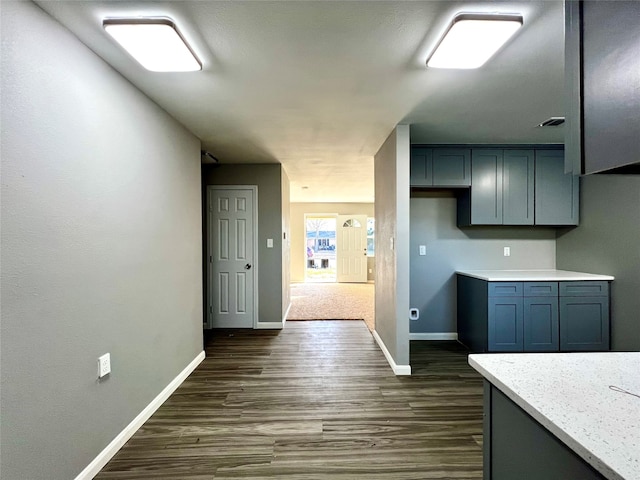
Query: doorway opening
(320, 255)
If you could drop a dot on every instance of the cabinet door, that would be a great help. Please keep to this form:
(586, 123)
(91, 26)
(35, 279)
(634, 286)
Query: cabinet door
(486, 187)
(611, 85)
(517, 187)
(421, 167)
(541, 328)
(556, 193)
(572, 89)
(584, 323)
(451, 167)
(505, 324)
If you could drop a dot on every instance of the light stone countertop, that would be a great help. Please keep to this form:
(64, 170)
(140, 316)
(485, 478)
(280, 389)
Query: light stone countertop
(590, 401)
(532, 275)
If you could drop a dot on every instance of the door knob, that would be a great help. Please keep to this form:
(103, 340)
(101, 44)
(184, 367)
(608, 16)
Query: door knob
(247, 266)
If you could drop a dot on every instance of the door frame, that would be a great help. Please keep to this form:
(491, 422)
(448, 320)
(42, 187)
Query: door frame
(254, 189)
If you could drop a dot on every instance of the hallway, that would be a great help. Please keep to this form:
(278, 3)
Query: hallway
(331, 301)
(315, 401)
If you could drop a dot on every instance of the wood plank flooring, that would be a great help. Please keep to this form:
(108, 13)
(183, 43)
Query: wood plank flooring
(312, 402)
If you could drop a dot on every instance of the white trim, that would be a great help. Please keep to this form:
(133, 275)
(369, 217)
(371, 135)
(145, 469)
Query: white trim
(116, 444)
(286, 314)
(397, 369)
(434, 336)
(269, 326)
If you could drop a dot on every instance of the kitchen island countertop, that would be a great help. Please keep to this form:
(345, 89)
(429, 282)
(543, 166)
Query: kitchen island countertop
(590, 401)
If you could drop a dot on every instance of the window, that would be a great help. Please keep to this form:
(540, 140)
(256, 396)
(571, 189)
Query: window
(352, 222)
(371, 230)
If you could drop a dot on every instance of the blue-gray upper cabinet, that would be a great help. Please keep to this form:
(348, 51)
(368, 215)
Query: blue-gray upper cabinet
(451, 167)
(518, 187)
(502, 188)
(440, 167)
(421, 167)
(486, 187)
(556, 193)
(602, 87)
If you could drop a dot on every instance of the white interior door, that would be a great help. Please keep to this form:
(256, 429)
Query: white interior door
(232, 257)
(351, 232)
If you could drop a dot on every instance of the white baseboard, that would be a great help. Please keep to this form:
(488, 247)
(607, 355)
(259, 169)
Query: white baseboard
(270, 326)
(434, 336)
(274, 325)
(116, 444)
(397, 369)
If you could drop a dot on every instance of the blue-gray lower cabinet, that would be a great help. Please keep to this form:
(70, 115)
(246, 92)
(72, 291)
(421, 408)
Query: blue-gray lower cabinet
(533, 316)
(541, 327)
(585, 323)
(505, 324)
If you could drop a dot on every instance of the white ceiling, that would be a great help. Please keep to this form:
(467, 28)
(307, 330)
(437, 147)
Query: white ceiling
(318, 85)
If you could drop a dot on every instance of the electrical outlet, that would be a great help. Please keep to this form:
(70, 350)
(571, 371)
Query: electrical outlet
(104, 365)
(507, 251)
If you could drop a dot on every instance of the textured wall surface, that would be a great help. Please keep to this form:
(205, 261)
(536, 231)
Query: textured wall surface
(392, 243)
(101, 249)
(608, 242)
(449, 248)
(268, 178)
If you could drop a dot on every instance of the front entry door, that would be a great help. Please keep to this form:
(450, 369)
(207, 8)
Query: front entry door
(351, 233)
(232, 230)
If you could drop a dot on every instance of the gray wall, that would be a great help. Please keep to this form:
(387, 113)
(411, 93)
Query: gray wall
(608, 241)
(268, 178)
(391, 167)
(298, 248)
(101, 249)
(433, 282)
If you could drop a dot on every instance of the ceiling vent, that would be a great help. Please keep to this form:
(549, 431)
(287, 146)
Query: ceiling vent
(208, 157)
(552, 122)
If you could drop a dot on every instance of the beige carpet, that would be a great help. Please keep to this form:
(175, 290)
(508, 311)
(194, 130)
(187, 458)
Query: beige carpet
(332, 301)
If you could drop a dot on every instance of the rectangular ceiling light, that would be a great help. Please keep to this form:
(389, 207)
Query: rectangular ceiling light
(472, 39)
(155, 43)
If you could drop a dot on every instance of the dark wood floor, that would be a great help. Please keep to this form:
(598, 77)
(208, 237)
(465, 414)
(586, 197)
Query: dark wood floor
(314, 401)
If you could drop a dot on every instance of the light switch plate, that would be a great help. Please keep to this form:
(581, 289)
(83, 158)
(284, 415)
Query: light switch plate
(423, 249)
(269, 242)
